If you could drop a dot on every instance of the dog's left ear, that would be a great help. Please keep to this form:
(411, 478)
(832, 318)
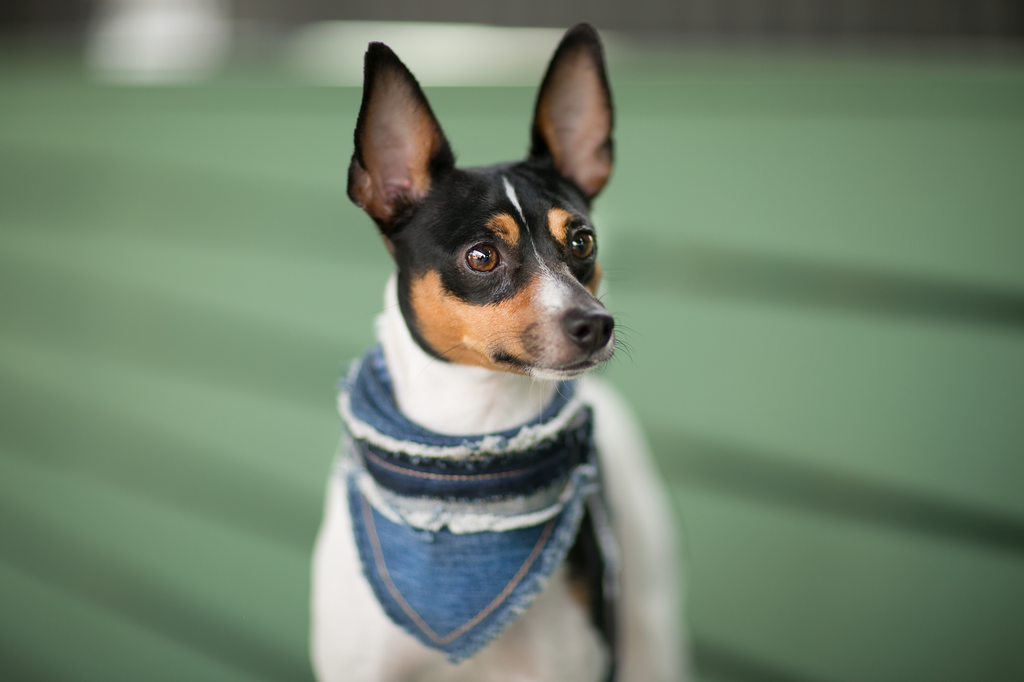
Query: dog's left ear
(572, 124)
(399, 146)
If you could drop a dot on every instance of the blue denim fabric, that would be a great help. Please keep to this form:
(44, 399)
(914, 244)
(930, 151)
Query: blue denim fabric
(482, 477)
(457, 591)
(453, 592)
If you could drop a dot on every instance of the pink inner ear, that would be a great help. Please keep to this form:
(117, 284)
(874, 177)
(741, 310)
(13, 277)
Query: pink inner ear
(575, 119)
(398, 141)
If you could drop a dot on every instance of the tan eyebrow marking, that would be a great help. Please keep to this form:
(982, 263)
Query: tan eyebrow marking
(505, 227)
(558, 223)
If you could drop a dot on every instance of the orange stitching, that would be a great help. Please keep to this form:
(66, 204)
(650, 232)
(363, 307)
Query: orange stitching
(453, 477)
(382, 570)
(520, 574)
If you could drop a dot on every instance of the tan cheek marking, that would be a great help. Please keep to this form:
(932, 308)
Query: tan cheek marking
(594, 280)
(558, 223)
(505, 227)
(470, 334)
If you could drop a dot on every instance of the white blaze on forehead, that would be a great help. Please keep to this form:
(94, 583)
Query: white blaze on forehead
(554, 293)
(510, 192)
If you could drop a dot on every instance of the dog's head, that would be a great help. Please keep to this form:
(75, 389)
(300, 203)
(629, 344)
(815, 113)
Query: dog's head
(497, 266)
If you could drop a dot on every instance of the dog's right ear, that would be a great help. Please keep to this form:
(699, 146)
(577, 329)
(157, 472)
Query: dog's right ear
(399, 146)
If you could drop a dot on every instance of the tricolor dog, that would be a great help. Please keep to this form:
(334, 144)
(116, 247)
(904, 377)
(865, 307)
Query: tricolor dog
(493, 515)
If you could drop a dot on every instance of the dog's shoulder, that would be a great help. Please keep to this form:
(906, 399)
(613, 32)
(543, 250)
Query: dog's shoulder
(619, 436)
(643, 518)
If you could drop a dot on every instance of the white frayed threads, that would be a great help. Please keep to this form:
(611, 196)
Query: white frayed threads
(487, 518)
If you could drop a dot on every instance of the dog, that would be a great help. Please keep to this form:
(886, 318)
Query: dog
(493, 515)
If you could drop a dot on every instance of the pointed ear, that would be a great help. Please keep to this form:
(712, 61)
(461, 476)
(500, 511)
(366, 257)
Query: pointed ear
(572, 124)
(399, 146)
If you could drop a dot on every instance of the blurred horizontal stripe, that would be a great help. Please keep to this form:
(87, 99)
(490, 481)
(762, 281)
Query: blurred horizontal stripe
(331, 52)
(719, 663)
(718, 271)
(920, 405)
(90, 441)
(51, 633)
(66, 562)
(818, 597)
(822, 491)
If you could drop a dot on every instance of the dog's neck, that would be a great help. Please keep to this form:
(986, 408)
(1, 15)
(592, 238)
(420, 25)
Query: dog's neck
(450, 398)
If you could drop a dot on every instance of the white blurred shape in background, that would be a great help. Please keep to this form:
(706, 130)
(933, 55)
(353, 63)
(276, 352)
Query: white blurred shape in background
(331, 52)
(158, 41)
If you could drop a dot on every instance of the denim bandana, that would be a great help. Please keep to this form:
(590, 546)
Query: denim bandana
(457, 534)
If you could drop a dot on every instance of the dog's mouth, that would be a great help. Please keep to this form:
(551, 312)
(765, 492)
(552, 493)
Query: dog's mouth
(568, 350)
(561, 372)
(564, 372)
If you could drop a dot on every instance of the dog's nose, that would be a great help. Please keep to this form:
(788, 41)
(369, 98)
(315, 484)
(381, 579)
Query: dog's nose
(588, 329)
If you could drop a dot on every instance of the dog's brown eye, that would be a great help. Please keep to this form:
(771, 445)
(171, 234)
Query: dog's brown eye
(482, 258)
(582, 245)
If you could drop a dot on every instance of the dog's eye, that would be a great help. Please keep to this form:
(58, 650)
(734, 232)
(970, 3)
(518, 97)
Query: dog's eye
(582, 245)
(482, 258)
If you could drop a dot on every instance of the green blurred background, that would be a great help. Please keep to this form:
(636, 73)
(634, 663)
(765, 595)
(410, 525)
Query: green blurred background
(818, 261)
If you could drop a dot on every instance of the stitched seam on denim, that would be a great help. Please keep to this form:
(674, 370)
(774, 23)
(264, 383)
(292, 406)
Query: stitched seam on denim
(462, 522)
(382, 571)
(456, 477)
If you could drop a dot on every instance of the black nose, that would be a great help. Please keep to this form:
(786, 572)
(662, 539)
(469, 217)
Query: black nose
(589, 330)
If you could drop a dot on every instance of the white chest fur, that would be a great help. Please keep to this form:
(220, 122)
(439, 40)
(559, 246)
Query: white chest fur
(353, 640)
